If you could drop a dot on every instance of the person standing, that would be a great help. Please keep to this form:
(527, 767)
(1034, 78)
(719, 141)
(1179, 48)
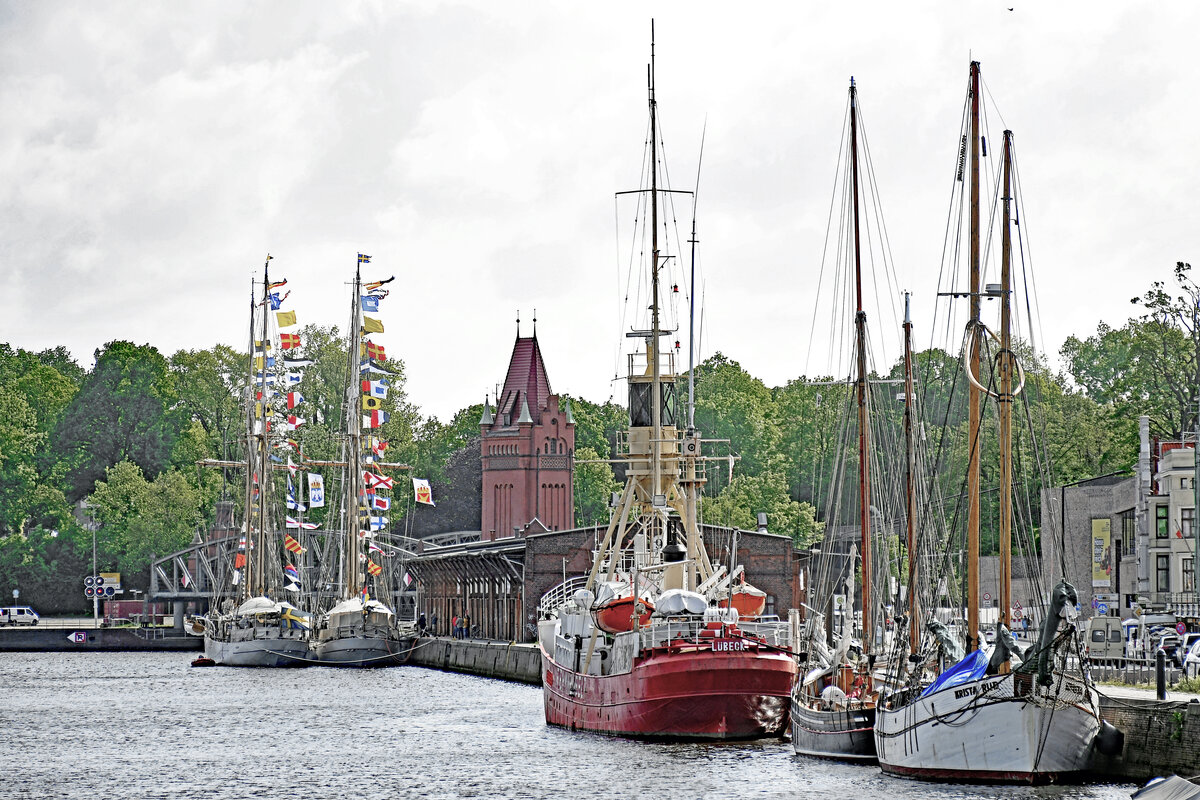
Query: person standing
(454, 626)
(433, 624)
(421, 624)
(466, 626)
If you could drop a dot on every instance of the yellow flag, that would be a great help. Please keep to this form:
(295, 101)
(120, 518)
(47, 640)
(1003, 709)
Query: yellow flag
(372, 325)
(258, 345)
(372, 403)
(258, 362)
(286, 318)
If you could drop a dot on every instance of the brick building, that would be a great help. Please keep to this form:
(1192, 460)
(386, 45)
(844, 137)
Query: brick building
(527, 449)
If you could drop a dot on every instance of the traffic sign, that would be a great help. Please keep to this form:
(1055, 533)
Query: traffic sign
(987, 595)
(1101, 608)
(89, 592)
(1180, 628)
(77, 636)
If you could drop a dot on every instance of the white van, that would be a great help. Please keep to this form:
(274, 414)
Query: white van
(18, 615)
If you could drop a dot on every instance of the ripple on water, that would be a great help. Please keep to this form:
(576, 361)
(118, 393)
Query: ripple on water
(85, 725)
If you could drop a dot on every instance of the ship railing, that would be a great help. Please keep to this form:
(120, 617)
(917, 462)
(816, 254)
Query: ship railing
(558, 596)
(771, 630)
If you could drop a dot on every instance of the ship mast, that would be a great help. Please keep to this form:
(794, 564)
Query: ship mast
(914, 608)
(860, 328)
(1005, 399)
(259, 564)
(655, 333)
(354, 451)
(975, 395)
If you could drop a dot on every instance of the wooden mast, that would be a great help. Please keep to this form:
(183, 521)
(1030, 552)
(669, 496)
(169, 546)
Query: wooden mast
(914, 606)
(1005, 398)
(354, 494)
(860, 327)
(975, 397)
(264, 483)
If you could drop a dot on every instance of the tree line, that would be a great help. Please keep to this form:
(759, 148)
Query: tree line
(123, 438)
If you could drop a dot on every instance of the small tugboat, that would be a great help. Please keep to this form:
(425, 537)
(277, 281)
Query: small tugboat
(643, 647)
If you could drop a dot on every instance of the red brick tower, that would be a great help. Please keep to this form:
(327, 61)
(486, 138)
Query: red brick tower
(528, 450)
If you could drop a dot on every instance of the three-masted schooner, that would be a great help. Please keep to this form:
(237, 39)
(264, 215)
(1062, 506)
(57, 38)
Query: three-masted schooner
(361, 630)
(255, 626)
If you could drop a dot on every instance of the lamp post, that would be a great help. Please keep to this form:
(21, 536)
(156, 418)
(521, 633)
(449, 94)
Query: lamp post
(96, 594)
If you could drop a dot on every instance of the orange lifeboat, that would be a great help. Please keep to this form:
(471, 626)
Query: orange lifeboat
(613, 610)
(747, 599)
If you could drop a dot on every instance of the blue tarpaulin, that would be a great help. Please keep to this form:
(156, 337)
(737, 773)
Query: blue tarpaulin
(971, 668)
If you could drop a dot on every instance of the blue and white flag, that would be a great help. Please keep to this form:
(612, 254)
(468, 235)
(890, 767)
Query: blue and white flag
(378, 523)
(370, 302)
(316, 490)
(377, 388)
(259, 377)
(292, 378)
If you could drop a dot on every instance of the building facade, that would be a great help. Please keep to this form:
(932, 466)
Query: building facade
(1130, 541)
(527, 450)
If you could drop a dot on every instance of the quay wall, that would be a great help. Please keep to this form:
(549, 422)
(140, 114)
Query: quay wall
(511, 661)
(59, 640)
(1160, 738)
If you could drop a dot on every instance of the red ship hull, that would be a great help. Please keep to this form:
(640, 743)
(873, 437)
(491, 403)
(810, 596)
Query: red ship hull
(682, 691)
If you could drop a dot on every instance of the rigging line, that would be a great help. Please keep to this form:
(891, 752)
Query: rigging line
(952, 243)
(1029, 278)
(877, 207)
(838, 164)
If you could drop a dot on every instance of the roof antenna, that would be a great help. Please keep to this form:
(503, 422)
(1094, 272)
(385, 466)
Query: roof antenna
(535, 323)
(518, 323)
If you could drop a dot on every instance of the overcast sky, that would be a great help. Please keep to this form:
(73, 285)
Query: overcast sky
(153, 153)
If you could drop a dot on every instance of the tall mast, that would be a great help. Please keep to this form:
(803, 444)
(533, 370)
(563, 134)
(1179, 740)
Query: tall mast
(914, 607)
(860, 328)
(354, 450)
(1005, 398)
(264, 483)
(974, 411)
(252, 413)
(655, 334)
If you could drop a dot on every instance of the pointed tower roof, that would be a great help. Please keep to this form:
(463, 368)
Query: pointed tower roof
(525, 418)
(570, 416)
(526, 381)
(486, 418)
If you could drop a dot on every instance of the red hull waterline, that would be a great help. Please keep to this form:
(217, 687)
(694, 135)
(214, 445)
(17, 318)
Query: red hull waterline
(985, 776)
(676, 694)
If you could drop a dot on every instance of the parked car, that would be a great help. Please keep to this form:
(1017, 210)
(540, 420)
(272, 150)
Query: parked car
(1191, 662)
(1169, 644)
(18, 615)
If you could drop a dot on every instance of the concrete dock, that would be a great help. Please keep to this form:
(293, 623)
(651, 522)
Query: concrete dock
(510, 661)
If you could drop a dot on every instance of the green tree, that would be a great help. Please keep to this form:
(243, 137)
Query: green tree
(1150, 365)
(141, 518)
(731, 404)
(210, 385)
(739, 503)
(594, 485)
(19, 444)
(123, 411)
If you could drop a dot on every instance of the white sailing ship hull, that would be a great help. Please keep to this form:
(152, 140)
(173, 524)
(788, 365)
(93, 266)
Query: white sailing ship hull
(259, 647)
(364, 651)
(982, 731)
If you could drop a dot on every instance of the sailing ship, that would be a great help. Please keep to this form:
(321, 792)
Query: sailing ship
(982, 720)
(641, 647)
(255, 626)
(833, 705)
(360, 630)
